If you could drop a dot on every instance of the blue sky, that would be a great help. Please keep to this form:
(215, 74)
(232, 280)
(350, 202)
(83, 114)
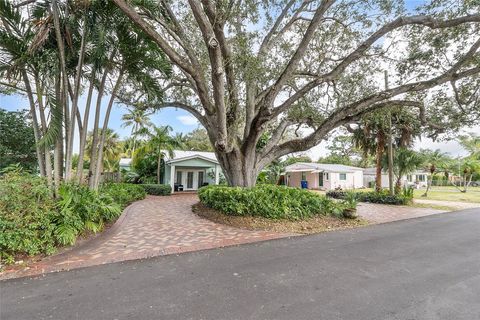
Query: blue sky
(179, 120)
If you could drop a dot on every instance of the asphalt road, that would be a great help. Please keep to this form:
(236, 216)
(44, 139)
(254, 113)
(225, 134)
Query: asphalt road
(426, 268)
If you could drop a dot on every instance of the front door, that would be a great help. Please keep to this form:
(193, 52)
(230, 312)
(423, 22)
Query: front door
(320, 179)
(190, 179)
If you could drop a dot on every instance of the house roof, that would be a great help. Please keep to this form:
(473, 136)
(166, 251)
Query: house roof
(373, 171)
(320, 167)
(125, 161)
(181, 155)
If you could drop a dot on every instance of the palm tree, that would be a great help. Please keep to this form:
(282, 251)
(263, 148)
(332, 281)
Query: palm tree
(138, 119)
(471, 143)
(159, 143)
(433, 160)
(405, 161)
(371, 135)
(112, 149)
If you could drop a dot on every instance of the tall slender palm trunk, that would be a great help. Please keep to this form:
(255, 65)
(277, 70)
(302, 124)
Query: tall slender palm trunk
(380, 151)
(99, 160)
(83, 132)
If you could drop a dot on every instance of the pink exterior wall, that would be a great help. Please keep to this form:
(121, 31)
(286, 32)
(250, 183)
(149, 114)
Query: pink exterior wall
(312, 179)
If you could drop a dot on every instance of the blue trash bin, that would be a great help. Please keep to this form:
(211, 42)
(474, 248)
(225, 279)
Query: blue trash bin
(304, 184)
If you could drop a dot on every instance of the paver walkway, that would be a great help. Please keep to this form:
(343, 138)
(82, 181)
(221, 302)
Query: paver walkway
(151, 227)
(381, 213)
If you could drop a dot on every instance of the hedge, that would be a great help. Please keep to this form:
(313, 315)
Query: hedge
(157, 189)
(269, 201)
(373, 197)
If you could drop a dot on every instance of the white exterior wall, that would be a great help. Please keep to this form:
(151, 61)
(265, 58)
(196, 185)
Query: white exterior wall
(353, 181)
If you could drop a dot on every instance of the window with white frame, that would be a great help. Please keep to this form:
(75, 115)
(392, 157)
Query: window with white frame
(343, 176)
(326, 175)
(304, 176)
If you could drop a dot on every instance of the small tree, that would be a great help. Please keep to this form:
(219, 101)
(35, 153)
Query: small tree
(405, 161)
(159, 143)
(433, 162)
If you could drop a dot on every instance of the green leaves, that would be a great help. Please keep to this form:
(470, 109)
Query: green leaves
(33, 222)
(269, 201)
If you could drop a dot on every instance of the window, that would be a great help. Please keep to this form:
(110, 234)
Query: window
(421, 177)
(327, 176)
(409, 178)
(304, 176)
(343, 176)
(179, 177)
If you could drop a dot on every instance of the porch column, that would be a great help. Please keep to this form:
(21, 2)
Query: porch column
(172, 177)
(217, 175)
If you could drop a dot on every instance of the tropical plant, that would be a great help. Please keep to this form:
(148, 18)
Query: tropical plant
(471, 143)
(112, 150)
(469, 168)
(269, 201)
(159, 144)
(138, 119)
(433, 162)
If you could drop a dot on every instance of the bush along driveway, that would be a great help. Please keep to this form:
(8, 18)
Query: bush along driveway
(151, 227)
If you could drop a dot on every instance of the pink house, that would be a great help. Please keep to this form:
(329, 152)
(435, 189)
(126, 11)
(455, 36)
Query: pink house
(323, 176)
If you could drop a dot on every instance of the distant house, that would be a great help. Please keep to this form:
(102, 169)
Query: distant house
(323, 176)
(125, 164)
(417, 179)
(190, 170)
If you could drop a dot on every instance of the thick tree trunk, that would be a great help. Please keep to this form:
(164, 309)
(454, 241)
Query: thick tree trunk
(239, 168)
(379, 156)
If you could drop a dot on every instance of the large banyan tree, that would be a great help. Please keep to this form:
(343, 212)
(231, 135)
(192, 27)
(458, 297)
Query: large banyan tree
(253, 70)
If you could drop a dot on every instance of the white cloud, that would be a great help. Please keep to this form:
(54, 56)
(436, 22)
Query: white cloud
(188, 120)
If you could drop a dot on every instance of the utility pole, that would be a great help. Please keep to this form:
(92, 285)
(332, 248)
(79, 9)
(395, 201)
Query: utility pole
(390, 146)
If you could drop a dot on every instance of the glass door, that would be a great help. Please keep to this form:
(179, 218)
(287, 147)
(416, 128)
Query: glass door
(190, 180)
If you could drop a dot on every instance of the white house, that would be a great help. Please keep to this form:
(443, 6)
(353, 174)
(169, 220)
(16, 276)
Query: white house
(323, 176)
(417, 179)
(190, 170)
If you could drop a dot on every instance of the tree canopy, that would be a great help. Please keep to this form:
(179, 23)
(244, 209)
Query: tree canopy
(17, 142)
(254, 69)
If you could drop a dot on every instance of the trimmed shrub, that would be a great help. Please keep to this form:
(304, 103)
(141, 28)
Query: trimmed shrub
(124, 193)
(374, 197)
(269, 201)
(157, 189)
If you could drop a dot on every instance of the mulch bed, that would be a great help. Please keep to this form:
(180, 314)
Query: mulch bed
(313, 225)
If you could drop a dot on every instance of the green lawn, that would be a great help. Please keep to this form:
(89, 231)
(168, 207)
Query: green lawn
(440, 193)
(449, 194)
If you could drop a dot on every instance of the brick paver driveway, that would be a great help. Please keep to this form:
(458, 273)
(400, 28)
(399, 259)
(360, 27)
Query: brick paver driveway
(151, 227)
